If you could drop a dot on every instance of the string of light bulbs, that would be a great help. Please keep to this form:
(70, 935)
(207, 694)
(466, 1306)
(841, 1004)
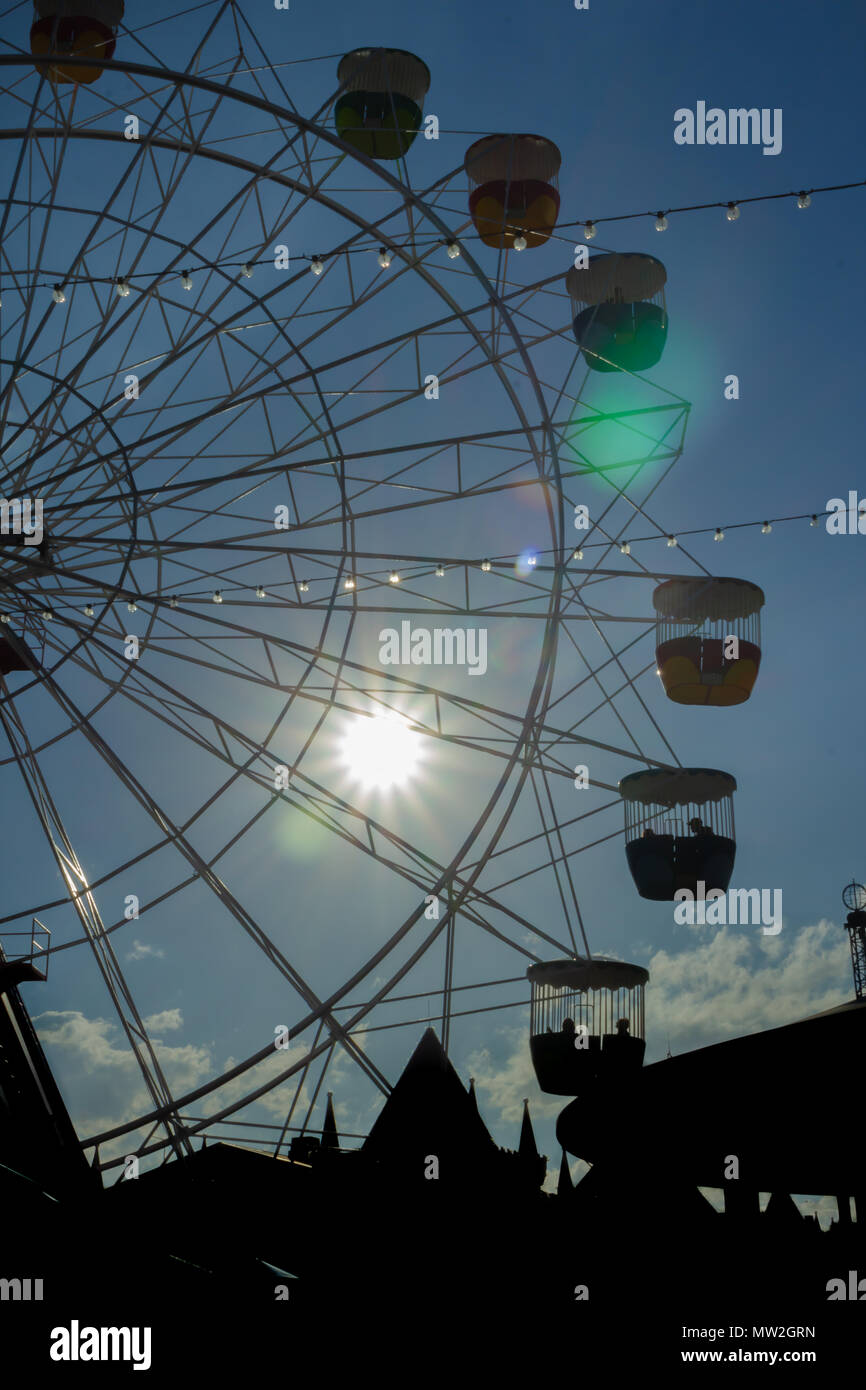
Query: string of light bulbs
(718, 532)
(384, 254)
(530, 561)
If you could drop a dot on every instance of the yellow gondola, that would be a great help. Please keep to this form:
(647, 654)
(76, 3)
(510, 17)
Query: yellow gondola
(78, 28)
(514, 194)
(708, 639)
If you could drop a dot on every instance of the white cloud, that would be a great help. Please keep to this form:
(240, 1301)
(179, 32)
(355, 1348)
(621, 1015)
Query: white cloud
(164, 1022)
(141, 951)
(99, 1076)
(103, 1085)
(276, 1101)
(503, 1076)
(87, 1037)
(740, 981)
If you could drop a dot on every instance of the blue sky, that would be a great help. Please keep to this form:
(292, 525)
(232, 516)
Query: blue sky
(775, 297)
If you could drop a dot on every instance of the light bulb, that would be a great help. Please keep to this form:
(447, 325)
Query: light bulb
(384, 257)
(317, 265)
(132, 605)
(121, 289)
(589, 231)
(661, 222)
(732, 212)
(519, 242)
(4, 618)
(348, 582)
(766, 529)
(486, 566)
(578, 555)
(247, 271)
(440, 571)
(47, 614)
(803, 200)
(218, 596)
(532, 561)
(672, 540)
(88, 610)
(57, 295)
(304, 586)
(172, 603)
(393, 577)
(453, 250)
(186, 280)
(720, 535)
(260, 593)
(625, 548)
(813, 521)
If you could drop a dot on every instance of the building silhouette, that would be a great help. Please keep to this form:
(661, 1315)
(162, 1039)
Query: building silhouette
(430, 1216)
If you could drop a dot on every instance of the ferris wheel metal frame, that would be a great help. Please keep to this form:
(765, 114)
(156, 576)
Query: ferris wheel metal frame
(533, 743)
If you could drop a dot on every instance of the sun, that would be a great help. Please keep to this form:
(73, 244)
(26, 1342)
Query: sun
(381, 752)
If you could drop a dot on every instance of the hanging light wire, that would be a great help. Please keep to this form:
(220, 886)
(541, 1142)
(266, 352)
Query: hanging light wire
(802, 199)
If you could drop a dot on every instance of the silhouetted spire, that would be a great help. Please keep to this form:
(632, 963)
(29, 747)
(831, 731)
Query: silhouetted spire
(472, 1096)
(330, 1137)
(783, 1210)
(565, 1186)
(527, 1147)
(429, 1111)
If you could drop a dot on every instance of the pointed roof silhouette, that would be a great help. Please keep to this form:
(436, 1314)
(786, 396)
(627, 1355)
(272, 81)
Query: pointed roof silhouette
(527, 1147)
(429, 1111)
(783, 1210)
(330, 1137)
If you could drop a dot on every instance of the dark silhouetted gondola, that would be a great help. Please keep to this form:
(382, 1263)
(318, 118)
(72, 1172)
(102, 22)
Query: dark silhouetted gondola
(679, 830)
(586, 1022)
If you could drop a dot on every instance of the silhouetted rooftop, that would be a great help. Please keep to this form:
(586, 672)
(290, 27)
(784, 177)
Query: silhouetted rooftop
(429, 1111)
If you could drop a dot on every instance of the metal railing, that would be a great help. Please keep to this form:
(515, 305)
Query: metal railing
(39, 954)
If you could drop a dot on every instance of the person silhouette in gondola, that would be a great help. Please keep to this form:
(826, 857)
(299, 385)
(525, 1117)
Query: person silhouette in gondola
(697, 827)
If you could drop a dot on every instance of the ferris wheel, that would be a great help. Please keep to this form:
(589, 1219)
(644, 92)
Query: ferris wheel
(325, 593)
